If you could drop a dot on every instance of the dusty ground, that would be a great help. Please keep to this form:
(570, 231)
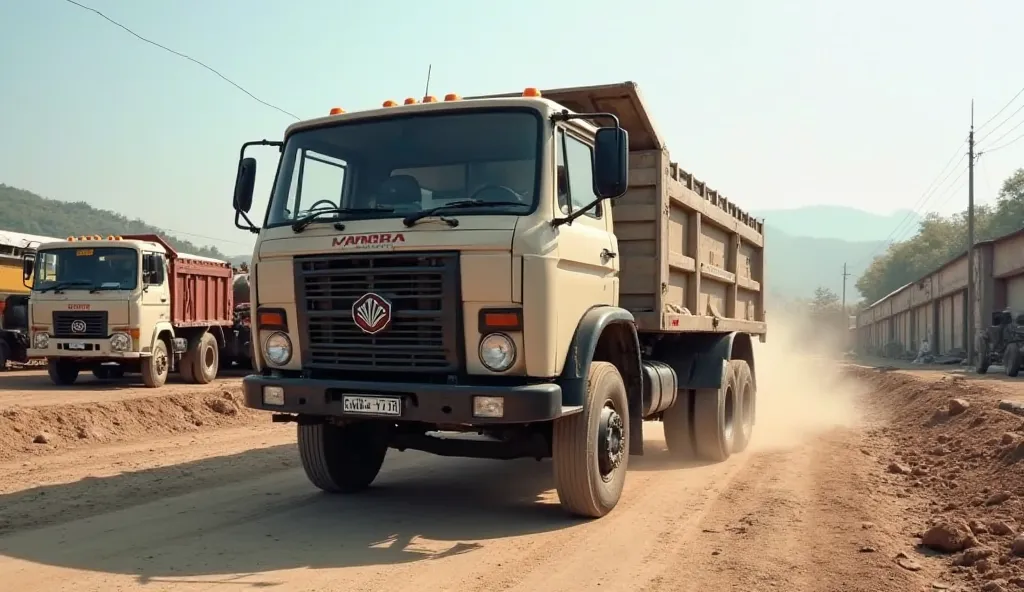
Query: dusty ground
(165, 502)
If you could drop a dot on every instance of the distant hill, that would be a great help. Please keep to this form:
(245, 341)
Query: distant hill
(838, 222)
(24, 211)
(796, 265)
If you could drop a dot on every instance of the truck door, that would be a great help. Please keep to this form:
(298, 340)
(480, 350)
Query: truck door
(156, 295)
(588, 265)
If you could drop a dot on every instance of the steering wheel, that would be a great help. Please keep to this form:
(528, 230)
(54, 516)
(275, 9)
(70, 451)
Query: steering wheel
(330, 204)
(502, 188)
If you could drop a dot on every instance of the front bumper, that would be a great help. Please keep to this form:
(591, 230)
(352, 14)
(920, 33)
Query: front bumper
(429, 403)
(94, 349)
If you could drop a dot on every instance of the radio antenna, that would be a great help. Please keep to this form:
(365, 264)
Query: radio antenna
(426, 91)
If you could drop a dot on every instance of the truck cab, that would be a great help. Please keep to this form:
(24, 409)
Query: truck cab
(453, 266)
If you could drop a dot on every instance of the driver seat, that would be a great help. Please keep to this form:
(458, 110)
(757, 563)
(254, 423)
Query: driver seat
(400, 192)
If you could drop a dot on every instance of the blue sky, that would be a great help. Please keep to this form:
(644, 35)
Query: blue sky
(776, 103)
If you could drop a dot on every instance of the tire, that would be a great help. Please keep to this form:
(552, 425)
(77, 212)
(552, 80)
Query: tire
(5, 355)
(186, 365)
(116, 372)
(1011, 360)
(102, 373)
(587, 485)
(714, 419)
(62, 372)
(342, 459)
(207, 359)
(746, 404)
(678, 427)
(156, 367)
(983, 357)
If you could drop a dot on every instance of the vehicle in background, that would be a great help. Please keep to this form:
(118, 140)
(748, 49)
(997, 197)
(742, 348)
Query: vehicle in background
(130, 304)
(454, 266)
(14, 340)
(1000, 343)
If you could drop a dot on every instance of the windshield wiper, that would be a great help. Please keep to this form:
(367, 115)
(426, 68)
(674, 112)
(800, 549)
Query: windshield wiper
(59, 286)
(301, 224)
(412, 219)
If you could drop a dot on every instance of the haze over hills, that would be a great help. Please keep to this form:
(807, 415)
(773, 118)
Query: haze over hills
(800, 256)
(839, 222)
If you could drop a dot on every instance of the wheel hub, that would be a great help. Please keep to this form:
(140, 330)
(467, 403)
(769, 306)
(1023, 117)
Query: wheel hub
(610, 436)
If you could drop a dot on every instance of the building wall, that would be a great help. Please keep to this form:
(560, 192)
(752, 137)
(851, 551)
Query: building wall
(935, 307)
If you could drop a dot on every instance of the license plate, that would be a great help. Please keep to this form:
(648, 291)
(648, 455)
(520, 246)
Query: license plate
(78, 346)
(372, 405)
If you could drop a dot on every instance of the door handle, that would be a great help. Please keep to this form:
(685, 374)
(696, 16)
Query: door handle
(606, 254)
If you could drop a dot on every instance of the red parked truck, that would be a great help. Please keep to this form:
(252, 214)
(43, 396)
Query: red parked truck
(130, 304)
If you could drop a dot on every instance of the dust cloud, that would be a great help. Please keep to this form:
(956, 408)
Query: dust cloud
(801, 390)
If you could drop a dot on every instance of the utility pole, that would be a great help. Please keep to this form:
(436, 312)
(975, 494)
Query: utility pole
(971, 291)
(845, 275)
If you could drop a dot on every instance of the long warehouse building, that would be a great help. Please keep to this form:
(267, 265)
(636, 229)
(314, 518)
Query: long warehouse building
(936, 307)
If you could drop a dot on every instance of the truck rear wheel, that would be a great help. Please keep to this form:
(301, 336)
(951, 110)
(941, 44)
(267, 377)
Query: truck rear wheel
(590, 449)
(1011, 360)
(156, 367)
(746, 399)
(716, 413)
(186, 365)
(342, 459)
(678, 427)
(5, 354)
(206, 360)
(62, 372)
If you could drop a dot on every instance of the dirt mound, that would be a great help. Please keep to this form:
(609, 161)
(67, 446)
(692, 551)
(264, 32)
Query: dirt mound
(39, 430)
(956, 450)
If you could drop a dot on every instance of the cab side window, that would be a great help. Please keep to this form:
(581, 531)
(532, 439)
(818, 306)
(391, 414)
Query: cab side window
(153, 269)
(575, 175)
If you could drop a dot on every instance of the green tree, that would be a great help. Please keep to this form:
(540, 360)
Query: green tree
(940, 239)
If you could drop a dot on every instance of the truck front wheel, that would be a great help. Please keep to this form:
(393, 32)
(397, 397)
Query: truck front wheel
(1011, 360)
(590, 449)
(62, 372)
(342, 459)
(156, 366)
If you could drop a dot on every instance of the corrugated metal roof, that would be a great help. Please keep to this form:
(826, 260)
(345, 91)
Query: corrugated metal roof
(21, 240)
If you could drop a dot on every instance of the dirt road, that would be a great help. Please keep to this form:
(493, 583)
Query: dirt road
(812, 506)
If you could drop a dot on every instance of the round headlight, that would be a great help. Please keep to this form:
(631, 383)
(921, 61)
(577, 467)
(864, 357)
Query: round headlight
(40, 340)
(278, 349)
(120, 342)
(497, 352)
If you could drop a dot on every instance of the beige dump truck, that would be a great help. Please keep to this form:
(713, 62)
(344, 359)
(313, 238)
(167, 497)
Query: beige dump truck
(523, 275)
(130, 303)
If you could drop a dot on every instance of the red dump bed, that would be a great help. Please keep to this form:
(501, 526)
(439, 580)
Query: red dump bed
(201, 291)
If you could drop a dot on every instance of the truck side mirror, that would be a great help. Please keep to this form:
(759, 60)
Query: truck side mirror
(27, 265)
(245, 182)
(611, 162)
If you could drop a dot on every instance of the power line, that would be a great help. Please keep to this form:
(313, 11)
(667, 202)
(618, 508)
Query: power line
(181, 55)
(1008, 103)
(937, 182)
(993, 130)
(1000, 147)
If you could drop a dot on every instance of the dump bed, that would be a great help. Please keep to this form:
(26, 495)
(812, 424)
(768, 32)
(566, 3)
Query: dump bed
(201, 291)
(690, 260)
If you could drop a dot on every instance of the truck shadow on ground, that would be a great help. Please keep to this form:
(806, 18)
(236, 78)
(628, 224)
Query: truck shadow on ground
(255, 512)
(30, 381)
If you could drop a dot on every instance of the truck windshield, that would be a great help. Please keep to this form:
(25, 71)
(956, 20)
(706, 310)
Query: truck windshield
(87, 268)
(397, 166)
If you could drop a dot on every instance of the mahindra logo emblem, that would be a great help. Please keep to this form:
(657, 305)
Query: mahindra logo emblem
(78, 326)
(371, 313)
(374, 240)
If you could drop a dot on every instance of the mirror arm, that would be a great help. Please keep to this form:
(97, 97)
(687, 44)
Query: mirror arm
(565, 115)
(248, 223)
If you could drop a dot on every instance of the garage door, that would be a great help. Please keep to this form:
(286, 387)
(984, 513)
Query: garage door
(959, 322)
(1015, 293)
